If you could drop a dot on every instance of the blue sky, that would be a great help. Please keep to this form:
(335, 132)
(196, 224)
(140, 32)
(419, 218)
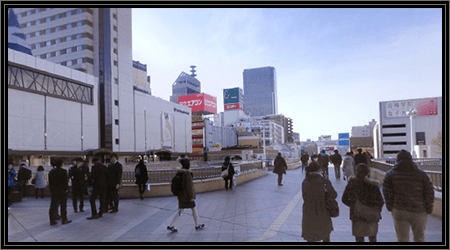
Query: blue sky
(334, 65)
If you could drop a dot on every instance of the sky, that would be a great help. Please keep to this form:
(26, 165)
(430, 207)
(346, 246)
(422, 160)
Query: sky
(334, 65)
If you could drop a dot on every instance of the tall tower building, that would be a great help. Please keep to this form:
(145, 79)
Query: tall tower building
(91, 40)
(260, 91)
(185, 84)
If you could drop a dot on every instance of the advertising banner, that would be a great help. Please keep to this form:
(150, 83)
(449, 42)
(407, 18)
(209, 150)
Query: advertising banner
(233, 106)
(199, 102)
(421, 107)
(232, 95)
(167, 130)
(344, 139)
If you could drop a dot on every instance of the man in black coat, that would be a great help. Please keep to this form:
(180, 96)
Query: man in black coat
(360, 158)
(77, 179)
(58, 184)
(114, 181)
(85, 173)
(99, 176)
(337, 160)
(323, 161)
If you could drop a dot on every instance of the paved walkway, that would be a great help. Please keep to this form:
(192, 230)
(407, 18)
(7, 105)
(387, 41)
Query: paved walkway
(255, 213)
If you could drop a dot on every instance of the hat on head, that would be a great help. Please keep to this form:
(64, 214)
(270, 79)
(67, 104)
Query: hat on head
(404, 155)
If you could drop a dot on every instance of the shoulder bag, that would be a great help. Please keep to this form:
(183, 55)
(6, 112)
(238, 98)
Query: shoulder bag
(331, 204)
(224, 173)
(371, 214)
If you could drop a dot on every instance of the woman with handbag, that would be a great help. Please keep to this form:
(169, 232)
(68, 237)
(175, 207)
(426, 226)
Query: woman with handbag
(316, 221)
(364, 198)
(229, 177)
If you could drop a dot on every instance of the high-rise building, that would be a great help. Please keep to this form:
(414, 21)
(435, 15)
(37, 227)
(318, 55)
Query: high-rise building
(260, 91)
(185, 84)
(90, 40)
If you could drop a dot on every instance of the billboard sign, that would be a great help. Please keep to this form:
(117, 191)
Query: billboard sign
(233, 106)
(199, 102)
(344, 139)
(421, 107)
(233, 95)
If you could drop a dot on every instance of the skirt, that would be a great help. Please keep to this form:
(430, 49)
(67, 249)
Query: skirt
(363, 229)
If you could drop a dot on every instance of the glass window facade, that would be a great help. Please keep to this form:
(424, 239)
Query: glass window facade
(260, 91)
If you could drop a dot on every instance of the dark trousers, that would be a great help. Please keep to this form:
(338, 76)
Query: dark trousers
(42, 192)
(58, 198)
(227, 180)
(337, 171)
(280, 178)
(78, 192)
(10, 190)
(101, 195)
(113, 198)
(141, 188)
(22, 187)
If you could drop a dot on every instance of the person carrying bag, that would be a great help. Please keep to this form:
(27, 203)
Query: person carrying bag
(227, 173)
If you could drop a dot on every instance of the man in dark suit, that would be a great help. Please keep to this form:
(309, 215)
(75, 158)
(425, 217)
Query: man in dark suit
(58, 184)
(114, 181)
(99, 176)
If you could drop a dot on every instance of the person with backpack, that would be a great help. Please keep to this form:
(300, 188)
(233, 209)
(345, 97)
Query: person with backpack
(183, 187)
(23, 176)
(229, 178)
(140, 172)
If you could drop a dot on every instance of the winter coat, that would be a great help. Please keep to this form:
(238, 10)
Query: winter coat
(336, 159)
(367, 191)
(407, 188)
(280, 165)
(349, 166)
(323, 160)
(231, 171)
(58, 181)
(305, 158)
(142, 178)
(99, 176)
(316, 221)
(76, 177)
(188, 193)
(40, 180)
(360, 158)
(11, 174)
(114, 174)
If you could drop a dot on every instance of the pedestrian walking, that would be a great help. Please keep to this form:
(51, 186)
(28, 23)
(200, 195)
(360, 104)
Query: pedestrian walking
(11, 182)
(186, 199)
(114, 183)
(360, 157)
(362, 190)
(348, 167)
(409, 196)
(40, 183)
(316, 221)
(227, 165)
(23, 176)
(84, 169)
(304, 159)
(141, 174)
(337, 160)
(77, 178)
(58, 184)
(279, 168)
(323, 161)
(98, 178)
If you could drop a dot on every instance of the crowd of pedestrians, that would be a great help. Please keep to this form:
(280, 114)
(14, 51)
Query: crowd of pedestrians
(406, 191)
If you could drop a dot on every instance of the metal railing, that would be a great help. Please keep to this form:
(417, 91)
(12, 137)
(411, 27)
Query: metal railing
(435, 176)
(418, 161)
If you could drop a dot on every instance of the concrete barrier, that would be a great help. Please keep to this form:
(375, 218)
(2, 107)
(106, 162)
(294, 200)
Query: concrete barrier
(130, 191)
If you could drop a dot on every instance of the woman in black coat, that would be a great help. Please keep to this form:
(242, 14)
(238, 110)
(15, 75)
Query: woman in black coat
(229, 178)
(368, 192)
(140, 172)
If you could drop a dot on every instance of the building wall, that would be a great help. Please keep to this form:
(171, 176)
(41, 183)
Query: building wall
(232, 116)
(69, 125)
(400, 126)
(260, 96)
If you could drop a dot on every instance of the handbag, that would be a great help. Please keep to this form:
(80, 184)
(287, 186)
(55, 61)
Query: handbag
(331, 204)
(371, 214)
(33, 181)
(224, 173)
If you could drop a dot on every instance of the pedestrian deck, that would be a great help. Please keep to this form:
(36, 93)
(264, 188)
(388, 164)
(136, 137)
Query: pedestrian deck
(256, 213)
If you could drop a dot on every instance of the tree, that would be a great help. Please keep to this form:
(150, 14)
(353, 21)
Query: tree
(437, 142)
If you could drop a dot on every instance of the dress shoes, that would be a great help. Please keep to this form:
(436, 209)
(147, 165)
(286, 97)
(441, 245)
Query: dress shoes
(93, 217)
(66, 222)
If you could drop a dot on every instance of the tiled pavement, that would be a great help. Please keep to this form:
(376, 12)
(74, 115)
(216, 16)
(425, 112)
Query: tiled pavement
(255, 213)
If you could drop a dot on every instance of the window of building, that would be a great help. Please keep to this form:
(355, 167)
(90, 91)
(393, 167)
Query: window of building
(43, 56)
(115, 27)
(116, 102)
(117, 141)
(68, 38)
(68, 13)
(116, 81)
(68, 26)
(69, 63)
(64, 63)
(49, 43)
(79, 36)
(79, 47)
(42, 44)
(57, 28)
(28, 12)
(38, 21)
(78, 11)
(57, 40)
(116, 121)
(58, 52)
(115, 39)
(28, 24)
(33, 46)
(53, 54)
(79, 23)
(19, 15)
(115, 16)
(74, 61)
(115, 51)
(48, 19)
(56, 16)
(115, 63)
(47, 31)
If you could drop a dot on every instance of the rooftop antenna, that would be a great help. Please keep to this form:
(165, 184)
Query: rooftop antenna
(193, 71)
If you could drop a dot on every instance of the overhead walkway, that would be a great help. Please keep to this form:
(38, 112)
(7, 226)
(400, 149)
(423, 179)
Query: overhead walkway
(258, 212)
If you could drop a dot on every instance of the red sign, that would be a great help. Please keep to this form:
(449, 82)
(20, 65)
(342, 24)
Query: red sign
(199, 102)
(233, 106)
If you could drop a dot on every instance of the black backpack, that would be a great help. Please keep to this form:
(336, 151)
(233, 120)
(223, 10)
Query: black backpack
(177, 184)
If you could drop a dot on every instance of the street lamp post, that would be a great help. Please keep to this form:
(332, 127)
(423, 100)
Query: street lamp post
(412, 112)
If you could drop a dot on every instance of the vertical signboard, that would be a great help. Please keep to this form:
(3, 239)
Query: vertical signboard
(344, 139)
(167, 130)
